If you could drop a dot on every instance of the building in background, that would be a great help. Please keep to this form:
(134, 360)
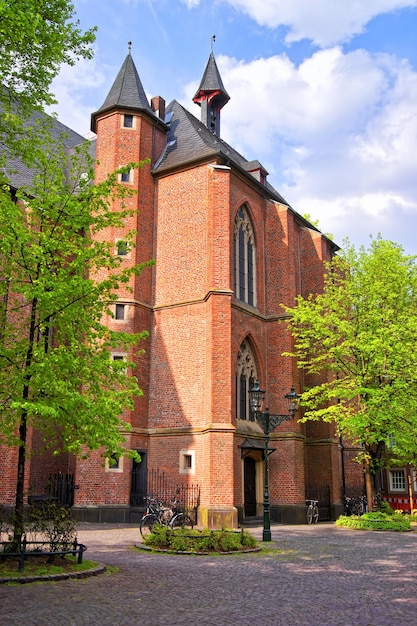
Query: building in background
(229, 251)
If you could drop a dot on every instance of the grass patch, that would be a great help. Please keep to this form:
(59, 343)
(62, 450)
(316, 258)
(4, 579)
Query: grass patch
(376, 521)
(38, 566)
(197, 541)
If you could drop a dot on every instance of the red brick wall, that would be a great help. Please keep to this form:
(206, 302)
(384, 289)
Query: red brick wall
(97, 485)
(185, 221)
(8, 474)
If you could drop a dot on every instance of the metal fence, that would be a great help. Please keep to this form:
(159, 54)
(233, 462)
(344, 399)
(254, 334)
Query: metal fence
(157, 484)
(58, 488)
(322, 494)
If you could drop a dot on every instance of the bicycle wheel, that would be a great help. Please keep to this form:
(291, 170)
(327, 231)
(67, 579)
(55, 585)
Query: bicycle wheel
(146, 524)
(182, 520)
(315, 514)
(309, 514)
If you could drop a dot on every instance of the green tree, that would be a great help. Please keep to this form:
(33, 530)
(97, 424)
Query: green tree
(359, 340)
(58, 276)
(36, 38)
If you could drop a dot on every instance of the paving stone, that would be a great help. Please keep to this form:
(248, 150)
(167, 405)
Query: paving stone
(312, 575)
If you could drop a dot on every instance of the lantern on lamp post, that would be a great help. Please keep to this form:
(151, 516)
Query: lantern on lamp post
(268, 422)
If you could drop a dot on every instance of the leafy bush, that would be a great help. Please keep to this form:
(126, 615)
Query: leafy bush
(384, 507)
(54, 523)
(376, 521)
(227, 541)
(185, 540)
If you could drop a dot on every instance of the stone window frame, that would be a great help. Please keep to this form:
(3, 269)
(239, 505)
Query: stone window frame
(119, 356)
(116, 469)
(246, 374)
(187, 461)
(120, 306)
(124, 116)
(244, 257)
(118, 251)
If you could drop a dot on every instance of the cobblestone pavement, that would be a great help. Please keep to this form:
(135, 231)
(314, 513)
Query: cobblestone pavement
(319, 575)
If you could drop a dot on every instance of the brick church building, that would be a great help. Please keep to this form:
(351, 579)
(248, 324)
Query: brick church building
(229, 251)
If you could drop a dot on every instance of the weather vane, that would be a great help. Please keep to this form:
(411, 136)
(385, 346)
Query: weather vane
(129, 46)
(213, 39)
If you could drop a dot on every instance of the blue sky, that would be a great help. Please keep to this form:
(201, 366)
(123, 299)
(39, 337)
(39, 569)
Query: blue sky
(323, 94)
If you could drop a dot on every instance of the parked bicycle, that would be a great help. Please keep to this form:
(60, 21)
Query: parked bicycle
(356, 506)
(312, 511)
(158, 513)
(361, 506)
(349, 505)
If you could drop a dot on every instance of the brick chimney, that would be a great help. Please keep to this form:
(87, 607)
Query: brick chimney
(158, 106)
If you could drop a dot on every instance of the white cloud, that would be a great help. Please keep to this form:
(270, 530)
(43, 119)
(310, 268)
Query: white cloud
(338, 134)
(325, 22)
(71, 88)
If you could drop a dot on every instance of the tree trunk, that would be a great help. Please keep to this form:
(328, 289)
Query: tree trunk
(20, 482)
(368, 483)
(20, 485)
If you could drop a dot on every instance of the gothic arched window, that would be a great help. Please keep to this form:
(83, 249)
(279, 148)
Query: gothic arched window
(245, 376)
(245, 267)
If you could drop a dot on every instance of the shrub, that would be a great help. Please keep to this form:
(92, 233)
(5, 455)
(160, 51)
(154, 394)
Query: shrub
(384, 507)
(227, 541)
(54, 523)
(375, 521)
(185, 540)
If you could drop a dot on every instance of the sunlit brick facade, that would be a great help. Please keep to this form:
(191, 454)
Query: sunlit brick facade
(228, 251)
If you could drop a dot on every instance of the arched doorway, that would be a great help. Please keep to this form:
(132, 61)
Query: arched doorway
(249, 469)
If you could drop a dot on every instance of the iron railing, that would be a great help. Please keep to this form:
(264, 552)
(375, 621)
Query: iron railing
(57, 488)
(157, 484)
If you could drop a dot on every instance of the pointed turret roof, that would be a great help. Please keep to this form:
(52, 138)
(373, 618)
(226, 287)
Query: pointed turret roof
(126, 92)
(190, 141)
(211, 82)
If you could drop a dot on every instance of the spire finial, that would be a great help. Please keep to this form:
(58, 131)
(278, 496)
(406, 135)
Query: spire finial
(129, 46)
(213, 39)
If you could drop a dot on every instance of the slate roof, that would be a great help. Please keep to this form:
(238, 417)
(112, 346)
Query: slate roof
(21, 176)
(126, 92)
(211, 81)
(190, 140)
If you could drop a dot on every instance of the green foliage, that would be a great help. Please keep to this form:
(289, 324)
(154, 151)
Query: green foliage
(227, 541)
(384, 507)
(184, 540)
(59, 275)
(54, 523)
(376, 521)
(34, 567)
(36, 38)
(57, 283)
(315, 223)
(359, 338)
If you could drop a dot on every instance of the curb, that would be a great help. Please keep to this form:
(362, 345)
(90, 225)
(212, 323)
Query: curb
(100, 569)
(141, 546)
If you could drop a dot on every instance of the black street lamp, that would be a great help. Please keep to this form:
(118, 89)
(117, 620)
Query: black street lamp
(268, 422)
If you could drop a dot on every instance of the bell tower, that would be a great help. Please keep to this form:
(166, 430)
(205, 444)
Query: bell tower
(211, 96)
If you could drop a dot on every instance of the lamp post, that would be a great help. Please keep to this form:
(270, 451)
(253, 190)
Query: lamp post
(268, 422)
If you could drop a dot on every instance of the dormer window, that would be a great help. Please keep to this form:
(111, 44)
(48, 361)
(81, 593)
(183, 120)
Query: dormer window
(257, 171)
